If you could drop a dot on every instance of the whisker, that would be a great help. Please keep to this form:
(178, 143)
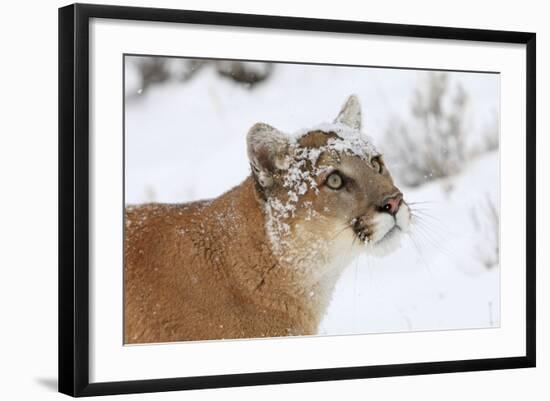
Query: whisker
(423, 218)
(420, 254)
(422, 203)
(428, 240)
(433, 223)
(433, 233)
(424, 212)
(437, 244)
(355, 294)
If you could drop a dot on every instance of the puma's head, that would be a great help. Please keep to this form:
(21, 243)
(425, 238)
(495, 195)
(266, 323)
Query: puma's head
(326, 190)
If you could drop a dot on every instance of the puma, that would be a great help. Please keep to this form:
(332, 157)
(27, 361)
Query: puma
(262, 259)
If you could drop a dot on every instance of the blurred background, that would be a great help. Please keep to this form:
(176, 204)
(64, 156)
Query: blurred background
(185, 127)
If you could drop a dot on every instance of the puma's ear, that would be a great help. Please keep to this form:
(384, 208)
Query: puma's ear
(268, 151)
(350, 114)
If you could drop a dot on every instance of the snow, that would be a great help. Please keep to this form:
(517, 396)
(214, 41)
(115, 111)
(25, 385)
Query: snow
(350, 141)
(186, 141)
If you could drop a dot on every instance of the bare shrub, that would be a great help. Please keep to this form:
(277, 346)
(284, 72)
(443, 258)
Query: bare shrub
(432, 144)
(486, 222)
(152, 70)
(155, 70)
(244, 72)
(491, 136)
(489, 140)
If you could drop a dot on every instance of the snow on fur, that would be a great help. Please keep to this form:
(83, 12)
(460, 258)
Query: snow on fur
(300, 177)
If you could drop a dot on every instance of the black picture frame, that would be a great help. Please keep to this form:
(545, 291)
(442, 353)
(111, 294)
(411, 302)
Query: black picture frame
(74, 194)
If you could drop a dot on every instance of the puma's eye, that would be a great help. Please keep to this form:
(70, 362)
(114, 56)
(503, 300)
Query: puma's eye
(335, 181)
(377, 165)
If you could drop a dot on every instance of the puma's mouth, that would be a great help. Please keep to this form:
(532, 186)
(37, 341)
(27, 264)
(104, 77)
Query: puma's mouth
(365, 234)
(382, 229)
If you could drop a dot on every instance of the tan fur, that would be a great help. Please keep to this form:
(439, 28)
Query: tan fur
(208, 269)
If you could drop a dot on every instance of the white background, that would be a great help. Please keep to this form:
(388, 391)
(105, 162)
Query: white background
(28, 162)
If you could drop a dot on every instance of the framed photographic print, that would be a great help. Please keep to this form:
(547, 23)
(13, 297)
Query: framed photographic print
(250, 199)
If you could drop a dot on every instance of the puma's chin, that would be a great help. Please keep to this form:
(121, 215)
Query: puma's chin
(389, 243)
(386, 232)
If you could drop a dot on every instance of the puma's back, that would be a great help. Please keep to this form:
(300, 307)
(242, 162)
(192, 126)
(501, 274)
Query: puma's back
(195, 271)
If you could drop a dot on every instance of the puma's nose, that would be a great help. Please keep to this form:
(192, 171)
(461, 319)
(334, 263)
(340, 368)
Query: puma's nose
(391, 204)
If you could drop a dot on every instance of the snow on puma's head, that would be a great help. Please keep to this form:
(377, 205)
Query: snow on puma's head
(326, 191)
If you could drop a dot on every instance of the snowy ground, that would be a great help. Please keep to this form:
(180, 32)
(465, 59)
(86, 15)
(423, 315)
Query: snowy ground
(186, 141)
